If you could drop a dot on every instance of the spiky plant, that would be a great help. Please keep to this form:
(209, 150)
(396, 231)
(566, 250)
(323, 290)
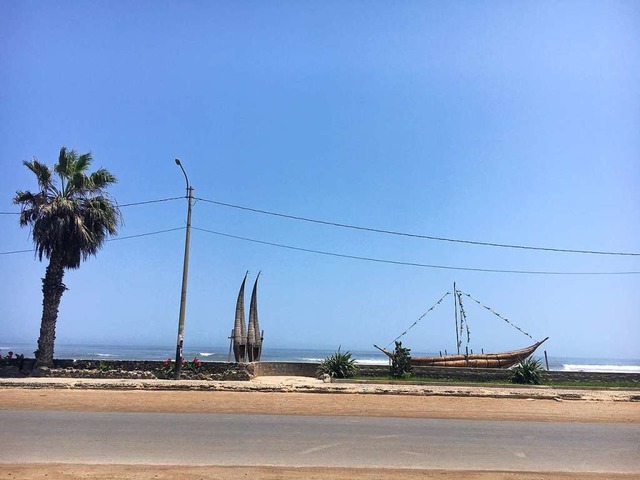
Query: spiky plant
(70, 218)
(401, 361)
(338, 365)
(528, 372)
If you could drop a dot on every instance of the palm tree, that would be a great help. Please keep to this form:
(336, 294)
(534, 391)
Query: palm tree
(69, 223)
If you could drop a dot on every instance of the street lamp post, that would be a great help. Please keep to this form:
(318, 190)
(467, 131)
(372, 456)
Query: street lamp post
(185, 274)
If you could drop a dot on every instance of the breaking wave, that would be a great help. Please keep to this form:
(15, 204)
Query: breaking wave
(570, 367)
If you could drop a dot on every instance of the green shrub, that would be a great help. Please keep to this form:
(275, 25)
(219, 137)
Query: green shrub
(194, 366)
(168, 368)
(338, 365)
(103, 366)
(401, 362)
(527, 372)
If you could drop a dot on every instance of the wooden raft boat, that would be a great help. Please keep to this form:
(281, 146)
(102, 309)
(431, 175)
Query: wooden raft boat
(474, 360)
(469, 360)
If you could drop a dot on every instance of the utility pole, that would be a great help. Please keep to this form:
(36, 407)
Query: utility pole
(455, 308)
(185, 275)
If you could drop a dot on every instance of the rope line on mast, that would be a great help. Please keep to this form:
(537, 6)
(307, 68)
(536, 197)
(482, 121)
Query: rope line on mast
(416, 322)
(496, 314)
(463, 320)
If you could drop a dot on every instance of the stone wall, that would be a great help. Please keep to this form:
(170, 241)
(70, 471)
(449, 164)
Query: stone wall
(245, 371)
(595, 377)
(283, 369)
(443, 373)
(129, 369)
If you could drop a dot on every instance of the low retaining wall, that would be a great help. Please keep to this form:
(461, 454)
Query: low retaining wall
(245, 371)
(284, 369)
(127, 369)
(443, 373)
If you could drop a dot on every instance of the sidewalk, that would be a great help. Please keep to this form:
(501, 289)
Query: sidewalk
(311, 385)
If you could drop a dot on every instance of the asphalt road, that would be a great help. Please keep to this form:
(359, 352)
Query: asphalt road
(284, 440)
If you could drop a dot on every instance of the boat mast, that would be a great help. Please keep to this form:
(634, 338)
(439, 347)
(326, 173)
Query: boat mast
(455, 308)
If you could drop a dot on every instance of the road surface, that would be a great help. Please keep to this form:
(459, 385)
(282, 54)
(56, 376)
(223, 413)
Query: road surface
(289, 440)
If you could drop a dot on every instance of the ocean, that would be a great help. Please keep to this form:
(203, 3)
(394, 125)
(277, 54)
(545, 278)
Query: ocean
(221, 354)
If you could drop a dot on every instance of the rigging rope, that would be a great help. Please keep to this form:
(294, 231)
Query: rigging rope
(463, 320)
(416, 322)
(497, 314)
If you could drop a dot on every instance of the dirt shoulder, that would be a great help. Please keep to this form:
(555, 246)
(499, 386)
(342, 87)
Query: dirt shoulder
(341, 404)
(140, 472)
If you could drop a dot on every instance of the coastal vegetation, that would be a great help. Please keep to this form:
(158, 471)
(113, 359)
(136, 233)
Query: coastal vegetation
(528, 372)
(70, 216)
(338, 365)
(168, 368)
(401, 362)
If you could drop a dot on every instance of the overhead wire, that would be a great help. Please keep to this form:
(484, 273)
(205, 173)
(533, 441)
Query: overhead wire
(122, 205)
(412, 235)
(157, 232)
(410, 264)
(146, 202)
(369, 229)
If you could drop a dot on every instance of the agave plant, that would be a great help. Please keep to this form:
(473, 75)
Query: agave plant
(338, 365)
(528, 372)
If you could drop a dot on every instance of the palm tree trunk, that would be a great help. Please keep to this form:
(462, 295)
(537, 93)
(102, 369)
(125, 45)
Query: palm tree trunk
(52, 290)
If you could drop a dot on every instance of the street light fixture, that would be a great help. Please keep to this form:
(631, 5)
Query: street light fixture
(185, 274)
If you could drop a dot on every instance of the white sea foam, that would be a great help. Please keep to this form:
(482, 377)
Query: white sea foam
(318, 360)
(570, 367)
(106, 355)
(372, 361)
(206, 354)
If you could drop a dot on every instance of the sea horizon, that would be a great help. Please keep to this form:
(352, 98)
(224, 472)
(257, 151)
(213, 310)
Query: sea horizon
(218, 353)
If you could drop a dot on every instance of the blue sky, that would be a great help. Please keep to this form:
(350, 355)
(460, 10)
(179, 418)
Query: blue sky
(505, 122)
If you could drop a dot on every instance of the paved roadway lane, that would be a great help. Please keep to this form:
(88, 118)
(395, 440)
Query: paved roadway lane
(223, 439)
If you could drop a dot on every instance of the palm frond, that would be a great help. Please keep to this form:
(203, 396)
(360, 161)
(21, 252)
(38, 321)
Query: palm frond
(24, 197)
(83, 162)
(72, 222)
(41, 171)
(102, 178)
(65, 160)
(80, 184)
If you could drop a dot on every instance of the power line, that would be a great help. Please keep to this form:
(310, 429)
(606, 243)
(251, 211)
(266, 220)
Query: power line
(16, 251)
(413, 235)
(157, 232)
(121, 205)
(410, 264)
(146, 234)
(146, 202)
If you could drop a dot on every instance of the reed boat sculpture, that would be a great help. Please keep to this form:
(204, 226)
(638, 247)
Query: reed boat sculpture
(471, 360)
(254, 335)
(239, 332)
(246, 341)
